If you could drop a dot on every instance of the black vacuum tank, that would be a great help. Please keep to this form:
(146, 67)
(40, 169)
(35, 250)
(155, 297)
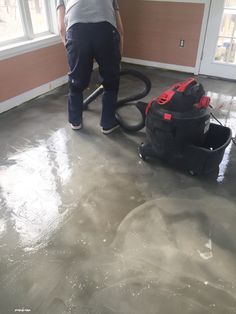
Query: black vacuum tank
(179, 131)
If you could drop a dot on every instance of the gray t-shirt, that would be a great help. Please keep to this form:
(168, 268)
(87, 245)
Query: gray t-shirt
(89, 11)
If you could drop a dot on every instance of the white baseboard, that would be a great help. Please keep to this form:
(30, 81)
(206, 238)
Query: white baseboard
(20, 99)
(166, 66)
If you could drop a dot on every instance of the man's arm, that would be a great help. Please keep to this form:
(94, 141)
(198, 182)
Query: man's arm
(120, 30)
(61, 23)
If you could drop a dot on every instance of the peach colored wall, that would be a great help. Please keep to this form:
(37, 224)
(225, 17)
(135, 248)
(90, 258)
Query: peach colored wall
(30, 70)
(153, 30)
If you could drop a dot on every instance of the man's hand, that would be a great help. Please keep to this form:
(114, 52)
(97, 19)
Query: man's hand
(61, 23)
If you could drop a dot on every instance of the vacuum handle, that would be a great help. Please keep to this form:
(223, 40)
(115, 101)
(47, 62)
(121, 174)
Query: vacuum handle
(182, 88)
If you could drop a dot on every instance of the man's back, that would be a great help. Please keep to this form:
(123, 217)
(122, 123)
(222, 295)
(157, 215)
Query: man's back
(89, 11)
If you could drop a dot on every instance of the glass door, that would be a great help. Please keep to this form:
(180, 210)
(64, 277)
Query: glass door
(219, 53)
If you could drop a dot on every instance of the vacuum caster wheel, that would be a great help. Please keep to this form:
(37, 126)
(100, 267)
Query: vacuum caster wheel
(142, 157)
(192, 173)
(141, 153)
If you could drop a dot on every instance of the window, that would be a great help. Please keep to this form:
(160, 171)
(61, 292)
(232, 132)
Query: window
(22, 20)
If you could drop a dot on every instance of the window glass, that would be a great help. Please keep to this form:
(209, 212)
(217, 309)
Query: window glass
(232, 55)
(228, 25)
(38, 16)
(226, 45)
(230, 4)
(223, 49)
(10, 20)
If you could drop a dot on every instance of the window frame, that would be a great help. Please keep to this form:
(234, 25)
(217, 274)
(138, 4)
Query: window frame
(30, 41)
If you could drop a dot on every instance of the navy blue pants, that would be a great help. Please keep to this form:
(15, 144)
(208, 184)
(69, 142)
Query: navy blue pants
(86, 42)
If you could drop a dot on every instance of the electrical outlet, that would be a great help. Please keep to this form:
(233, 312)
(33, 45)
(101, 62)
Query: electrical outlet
(181, 43)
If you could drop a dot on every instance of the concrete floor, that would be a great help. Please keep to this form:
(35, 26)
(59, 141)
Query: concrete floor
(87, 227)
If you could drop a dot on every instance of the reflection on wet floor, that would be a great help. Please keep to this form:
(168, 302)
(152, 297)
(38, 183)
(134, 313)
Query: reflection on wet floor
(29, 186)
(87, 227)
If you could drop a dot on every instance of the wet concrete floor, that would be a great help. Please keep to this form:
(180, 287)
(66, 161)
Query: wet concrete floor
(87, 227)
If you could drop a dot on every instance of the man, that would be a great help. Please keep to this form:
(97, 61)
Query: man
(92, 29)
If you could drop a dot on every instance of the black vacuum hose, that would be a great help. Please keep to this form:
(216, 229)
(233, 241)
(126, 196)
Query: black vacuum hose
(140, 95)
(127, 101)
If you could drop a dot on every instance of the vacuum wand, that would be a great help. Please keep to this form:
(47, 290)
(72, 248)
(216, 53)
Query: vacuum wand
(131, 100)
(93, 96)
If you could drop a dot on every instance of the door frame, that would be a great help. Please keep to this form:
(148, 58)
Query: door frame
(203, 38)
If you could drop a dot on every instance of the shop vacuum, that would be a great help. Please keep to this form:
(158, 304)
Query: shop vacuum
(179, 131)
(178, 127)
